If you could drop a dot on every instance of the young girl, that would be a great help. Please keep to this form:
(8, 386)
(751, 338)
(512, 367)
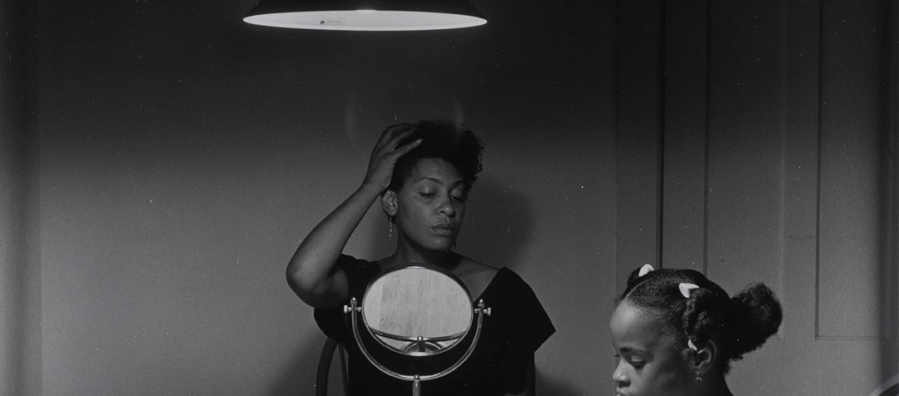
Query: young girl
(422, 174)
(675, 332)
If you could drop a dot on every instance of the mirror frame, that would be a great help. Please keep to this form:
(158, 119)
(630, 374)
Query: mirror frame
(480, 310)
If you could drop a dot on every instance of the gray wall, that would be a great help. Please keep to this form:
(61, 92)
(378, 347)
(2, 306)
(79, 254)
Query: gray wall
(184, 154)
(163, 162)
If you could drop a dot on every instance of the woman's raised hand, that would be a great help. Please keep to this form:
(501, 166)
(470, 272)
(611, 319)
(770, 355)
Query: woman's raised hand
(311, 272)
(387, 150)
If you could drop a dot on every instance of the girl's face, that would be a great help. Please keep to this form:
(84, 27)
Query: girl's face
(649, 361)
(431, 205)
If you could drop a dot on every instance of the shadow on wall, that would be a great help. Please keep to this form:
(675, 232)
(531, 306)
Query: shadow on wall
(553, 386)
(298, 377)
(497, 224)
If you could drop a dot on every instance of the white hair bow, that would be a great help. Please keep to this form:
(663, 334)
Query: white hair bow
(686, 289)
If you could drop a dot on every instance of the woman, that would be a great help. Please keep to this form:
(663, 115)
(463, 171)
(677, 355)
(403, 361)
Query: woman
(421, 174)
(675, 332)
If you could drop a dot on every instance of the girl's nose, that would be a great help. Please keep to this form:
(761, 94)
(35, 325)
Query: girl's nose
(618, 376)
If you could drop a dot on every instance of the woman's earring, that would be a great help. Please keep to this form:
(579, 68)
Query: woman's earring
(698, 376)
(390, 228)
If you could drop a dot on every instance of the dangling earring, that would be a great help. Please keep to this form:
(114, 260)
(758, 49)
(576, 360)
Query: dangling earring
(698, 376)
(389, 228)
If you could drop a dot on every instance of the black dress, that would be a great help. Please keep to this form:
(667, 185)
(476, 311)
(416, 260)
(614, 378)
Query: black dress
(516, 328)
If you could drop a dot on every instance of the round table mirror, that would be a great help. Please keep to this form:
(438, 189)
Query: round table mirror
(417, 310)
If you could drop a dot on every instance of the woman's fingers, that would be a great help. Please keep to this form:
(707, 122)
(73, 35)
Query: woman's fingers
(391, 136)
(387, 151)
(399, 151)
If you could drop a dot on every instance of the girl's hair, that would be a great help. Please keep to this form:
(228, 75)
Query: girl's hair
(441, 139)
(740, 324)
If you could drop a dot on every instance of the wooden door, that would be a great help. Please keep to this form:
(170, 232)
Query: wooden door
(757, 142)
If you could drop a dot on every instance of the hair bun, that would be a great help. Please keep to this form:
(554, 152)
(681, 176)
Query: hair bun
(756, 315)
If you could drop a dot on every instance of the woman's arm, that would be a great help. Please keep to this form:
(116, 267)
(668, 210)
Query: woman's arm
(311, 272)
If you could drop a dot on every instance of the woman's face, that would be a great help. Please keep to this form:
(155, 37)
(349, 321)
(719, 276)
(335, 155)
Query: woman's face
(431, 205)
(649, 361)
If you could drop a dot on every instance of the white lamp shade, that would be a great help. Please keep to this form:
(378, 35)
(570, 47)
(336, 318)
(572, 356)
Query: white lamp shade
(371, 15)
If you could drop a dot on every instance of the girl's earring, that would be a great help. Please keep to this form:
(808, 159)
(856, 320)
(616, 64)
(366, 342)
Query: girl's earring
(698, 376)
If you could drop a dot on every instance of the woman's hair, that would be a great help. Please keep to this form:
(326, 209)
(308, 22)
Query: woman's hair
(440, 139)
(740, 324)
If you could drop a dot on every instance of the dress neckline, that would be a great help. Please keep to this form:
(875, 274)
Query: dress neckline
(490, 286)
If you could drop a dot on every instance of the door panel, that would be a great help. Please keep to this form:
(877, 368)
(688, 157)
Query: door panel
(637, 144)
(776, 164)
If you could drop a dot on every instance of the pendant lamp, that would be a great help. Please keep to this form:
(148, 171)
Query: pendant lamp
(367, 15)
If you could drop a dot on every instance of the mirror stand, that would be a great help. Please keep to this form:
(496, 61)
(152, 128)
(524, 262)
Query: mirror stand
(423, 344)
